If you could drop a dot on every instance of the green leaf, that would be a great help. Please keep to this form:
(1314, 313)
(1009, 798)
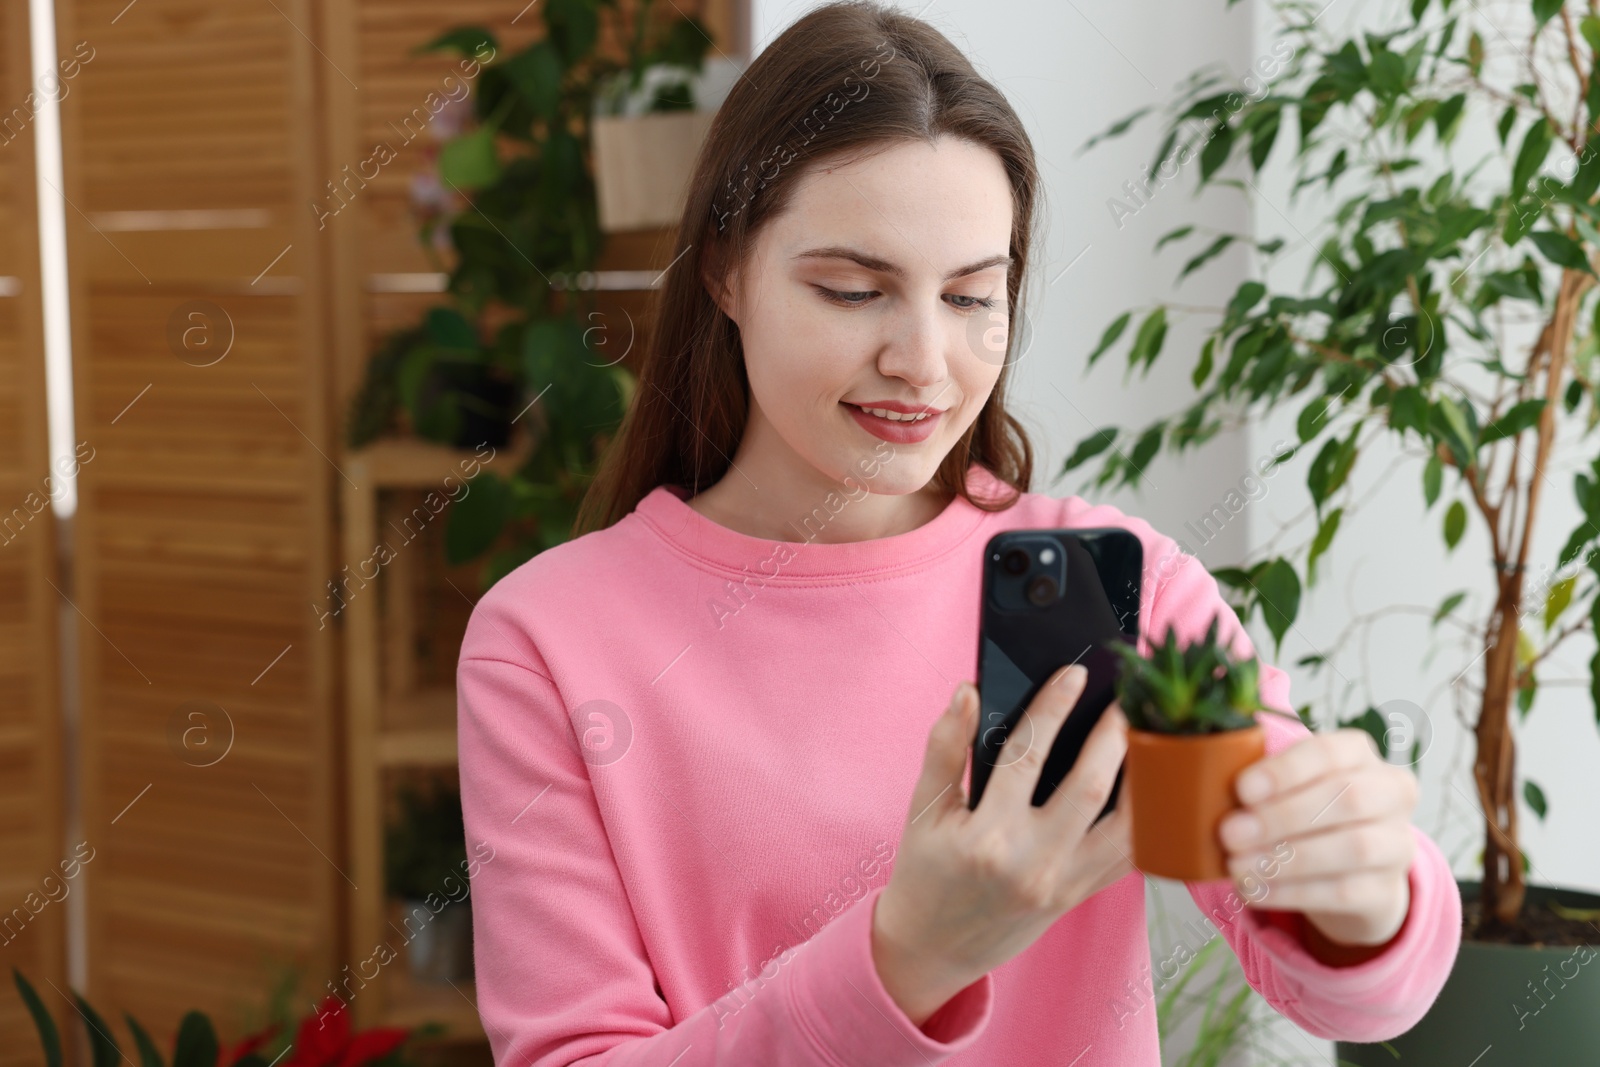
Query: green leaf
(102, 1045)
(1587, 179)
(1531, 156)
(1247, 296)
(1090, 447)
(1147, 342)
(1262, 137)
(1451, 424)
(1408, 409)
(536, 73)
(1544, 11)
(1589, 26)
(149, 1055)
(1319, 545)
(1449, 604)
(1556, 601)
(574, 26)
(1508, 118)
(1535, 798)
(469, 161)
(448, 328)
(1279, 590)
(1117, 129)
(197, 1042)
(1519, 418)
(476, 519)
(49, 1036)
(1215, 153)
(1561, 250)
(1214, 249)
(1455, 523)
(1202, 369)
(1109, 338)
(1312, 416)
(1144, 450)
(1174, 235)
(1432, 478)
(1447, 118)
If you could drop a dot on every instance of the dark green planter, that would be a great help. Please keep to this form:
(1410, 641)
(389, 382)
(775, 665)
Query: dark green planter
(1488, 1015)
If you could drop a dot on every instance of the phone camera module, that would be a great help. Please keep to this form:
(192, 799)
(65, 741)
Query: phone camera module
(1042, 591)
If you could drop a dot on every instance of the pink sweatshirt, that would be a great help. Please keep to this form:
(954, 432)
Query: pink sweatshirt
(690, 754)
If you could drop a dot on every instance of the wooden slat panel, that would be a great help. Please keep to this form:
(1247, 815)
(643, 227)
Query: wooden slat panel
(191, 154)
(32, 836)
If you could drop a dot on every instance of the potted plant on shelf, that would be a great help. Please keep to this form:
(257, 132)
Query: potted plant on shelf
(425, 865)
(1400, 334)
(517, 340)
(649, 120)
(322, 1039)
(1192, 729)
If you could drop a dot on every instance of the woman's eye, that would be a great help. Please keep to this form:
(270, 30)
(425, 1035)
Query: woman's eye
(977, 302)
(845, 298)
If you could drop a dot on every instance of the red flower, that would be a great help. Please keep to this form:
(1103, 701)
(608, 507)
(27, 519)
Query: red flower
(324, 1040)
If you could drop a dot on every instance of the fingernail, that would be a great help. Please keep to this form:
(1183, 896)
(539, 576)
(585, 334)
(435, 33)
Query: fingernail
(1240, 829)
(1252, 786)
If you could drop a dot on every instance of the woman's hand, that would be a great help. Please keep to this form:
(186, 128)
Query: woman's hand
(1346, 814)
(972, 889)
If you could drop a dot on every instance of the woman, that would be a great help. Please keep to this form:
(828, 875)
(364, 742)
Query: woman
(704, 740)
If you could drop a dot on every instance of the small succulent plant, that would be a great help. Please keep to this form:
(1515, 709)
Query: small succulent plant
(1187, 689)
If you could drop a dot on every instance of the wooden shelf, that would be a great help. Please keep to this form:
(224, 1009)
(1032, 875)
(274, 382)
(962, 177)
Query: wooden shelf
(419, 730)
(406, 461)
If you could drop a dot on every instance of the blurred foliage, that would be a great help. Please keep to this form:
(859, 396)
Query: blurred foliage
(513, 333)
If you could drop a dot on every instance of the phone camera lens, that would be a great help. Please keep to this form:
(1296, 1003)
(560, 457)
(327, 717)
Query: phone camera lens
(1015, 562)
(1042, 590)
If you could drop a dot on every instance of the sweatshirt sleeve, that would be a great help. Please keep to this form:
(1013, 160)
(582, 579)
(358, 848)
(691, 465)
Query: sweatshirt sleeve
(1371, 1001)
(562, 973)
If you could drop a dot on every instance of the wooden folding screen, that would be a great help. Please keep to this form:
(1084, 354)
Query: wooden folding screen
(222, 312)
(201, 374)
(35, 888)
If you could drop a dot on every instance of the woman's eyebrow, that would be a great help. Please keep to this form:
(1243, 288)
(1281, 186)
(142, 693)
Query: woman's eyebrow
(894, 269)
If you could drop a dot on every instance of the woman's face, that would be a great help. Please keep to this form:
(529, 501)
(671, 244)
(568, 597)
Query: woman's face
(883, 284)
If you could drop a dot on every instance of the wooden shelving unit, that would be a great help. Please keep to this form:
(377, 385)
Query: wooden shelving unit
(395, 721)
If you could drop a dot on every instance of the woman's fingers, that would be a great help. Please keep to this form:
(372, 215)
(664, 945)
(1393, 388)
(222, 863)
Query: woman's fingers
(941, 786)
(1082, 793)
(1021, 757)
(1360, 892)
(1325, 804)
(1304, 762)
(1373, 846)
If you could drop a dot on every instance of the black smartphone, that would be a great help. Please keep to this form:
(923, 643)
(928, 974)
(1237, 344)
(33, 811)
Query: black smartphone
(1050, 598)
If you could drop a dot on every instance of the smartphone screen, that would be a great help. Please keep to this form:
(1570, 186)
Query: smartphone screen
(1050, 598)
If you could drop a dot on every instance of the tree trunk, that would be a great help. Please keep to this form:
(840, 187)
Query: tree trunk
(1495, 769)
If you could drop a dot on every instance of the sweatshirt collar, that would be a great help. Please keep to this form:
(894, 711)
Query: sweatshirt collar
(666, 512)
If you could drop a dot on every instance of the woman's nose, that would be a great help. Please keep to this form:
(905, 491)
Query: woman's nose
(917, 348)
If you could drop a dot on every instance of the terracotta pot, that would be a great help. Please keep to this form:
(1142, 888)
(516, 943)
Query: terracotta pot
(1180, 787)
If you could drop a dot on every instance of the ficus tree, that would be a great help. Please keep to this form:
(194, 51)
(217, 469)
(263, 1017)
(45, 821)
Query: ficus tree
(1451, 309)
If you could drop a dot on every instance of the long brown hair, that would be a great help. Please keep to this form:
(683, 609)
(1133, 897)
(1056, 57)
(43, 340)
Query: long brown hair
(847, 77)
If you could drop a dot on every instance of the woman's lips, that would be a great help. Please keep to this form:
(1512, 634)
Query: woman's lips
(899, 433)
